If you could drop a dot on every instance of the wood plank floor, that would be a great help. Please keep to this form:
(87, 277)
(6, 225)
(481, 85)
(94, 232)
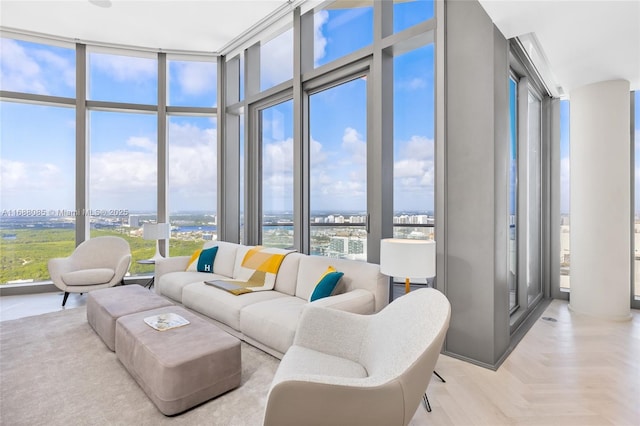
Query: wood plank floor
(574, 371)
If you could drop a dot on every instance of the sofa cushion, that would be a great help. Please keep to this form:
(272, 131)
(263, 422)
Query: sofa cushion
(221, 305)
(240, 253)
(288, 274)
(171, 284)
(273, 322)
(225, 258)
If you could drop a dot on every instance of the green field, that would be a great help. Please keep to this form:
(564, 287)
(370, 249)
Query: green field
(25, 257)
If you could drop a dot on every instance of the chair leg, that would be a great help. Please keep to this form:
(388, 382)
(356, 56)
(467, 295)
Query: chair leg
(64, 298)
(427, 406)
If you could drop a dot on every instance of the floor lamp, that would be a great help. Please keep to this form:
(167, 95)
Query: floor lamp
(409, 259)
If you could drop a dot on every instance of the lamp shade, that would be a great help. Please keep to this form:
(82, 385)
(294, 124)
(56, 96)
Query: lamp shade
(156, 231)
(408, 258)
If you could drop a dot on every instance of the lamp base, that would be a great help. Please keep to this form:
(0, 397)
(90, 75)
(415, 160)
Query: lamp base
(157, 256)
(407, 286)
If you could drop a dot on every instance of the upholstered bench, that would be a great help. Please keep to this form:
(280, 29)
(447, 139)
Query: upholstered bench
(106, 305)
(181, 367)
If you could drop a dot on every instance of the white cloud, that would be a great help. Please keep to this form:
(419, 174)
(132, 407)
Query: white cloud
(338, 179)
(354, 144)
(129, 173)
(318, 156)
(19, 177)
(278, 158)
(34, 70)
(57, 64)
(415, 83)
(320, 41)
(196, 77)
(125, 68)
(142, 142)
(277, 169)
(192, 166)
(276, 59)
(414, 168)
(276, 56)
(122, 172)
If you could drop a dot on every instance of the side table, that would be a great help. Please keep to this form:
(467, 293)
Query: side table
(149, 284)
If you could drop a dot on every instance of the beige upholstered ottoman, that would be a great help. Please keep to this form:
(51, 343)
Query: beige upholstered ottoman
(105, 306)
(181, 367)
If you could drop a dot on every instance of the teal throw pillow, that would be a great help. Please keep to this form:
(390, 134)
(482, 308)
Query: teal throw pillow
(326, 285)
(202, 260)
(206, 258)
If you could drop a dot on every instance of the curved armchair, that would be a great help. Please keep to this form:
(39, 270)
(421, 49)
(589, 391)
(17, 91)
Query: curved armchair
(99, 262)
(350, 369)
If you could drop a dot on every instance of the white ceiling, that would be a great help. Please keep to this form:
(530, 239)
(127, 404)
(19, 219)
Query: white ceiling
(186, 25)
(584, 41)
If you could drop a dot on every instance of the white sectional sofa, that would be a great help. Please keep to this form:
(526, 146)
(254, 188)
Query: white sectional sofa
(268, 319)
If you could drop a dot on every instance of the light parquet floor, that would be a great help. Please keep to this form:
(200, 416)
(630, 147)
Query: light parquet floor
(575, 371)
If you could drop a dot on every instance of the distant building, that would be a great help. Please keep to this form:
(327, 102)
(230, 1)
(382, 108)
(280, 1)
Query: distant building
(357, 246)
(338, 245)
(134, 220)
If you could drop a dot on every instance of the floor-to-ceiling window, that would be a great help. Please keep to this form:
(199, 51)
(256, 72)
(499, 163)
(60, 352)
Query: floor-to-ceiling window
(123, 150)
(276, 135)
(328, 212)
(192, 154)
(526, 199)
(37, 159)
(413, 143)
(127, 92)
(123, 179)
(37, 203)
(636, 184)
(122, 175)
(192, 182)
(338, 178)
(512, 276)
(565, 198)
(533, 199)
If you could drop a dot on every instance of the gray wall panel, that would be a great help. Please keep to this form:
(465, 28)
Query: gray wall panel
(475, 119)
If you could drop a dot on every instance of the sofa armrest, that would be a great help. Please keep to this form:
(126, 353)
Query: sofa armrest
(170, 264)
(331, 331)
(358, 301)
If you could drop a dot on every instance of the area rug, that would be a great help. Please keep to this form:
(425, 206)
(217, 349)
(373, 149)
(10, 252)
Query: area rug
(55, 370)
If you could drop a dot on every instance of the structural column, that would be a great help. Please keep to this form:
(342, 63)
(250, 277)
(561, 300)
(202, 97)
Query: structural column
(600, 200)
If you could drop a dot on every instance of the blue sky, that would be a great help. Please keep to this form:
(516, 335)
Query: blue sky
(37, 142)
